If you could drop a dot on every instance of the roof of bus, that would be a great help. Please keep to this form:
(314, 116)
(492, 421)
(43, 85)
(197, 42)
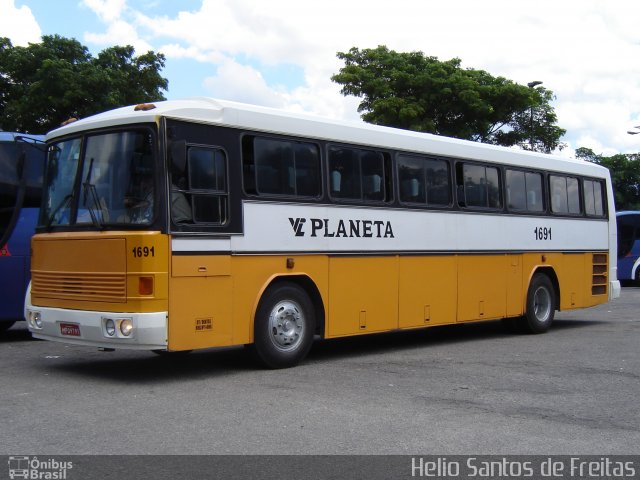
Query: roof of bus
(239, 115)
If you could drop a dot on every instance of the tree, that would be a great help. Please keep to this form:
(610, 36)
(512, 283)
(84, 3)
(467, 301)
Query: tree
(46, 83)
(625, 176)
(416, 92)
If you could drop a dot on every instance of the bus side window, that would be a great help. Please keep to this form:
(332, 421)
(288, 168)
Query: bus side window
(534, 192)
(573, 195)
(565, 195)
(424, 180)
(524, 191)
(344, 165)
(516, 190)
(592, 196)
(558, 187)
(372, 168)
(478, 186)
(358, 174)
(200, 194)
(274, 166)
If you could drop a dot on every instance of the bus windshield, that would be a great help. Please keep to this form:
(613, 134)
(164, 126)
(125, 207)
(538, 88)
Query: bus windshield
(14, 173)
(628, 245)
(101, 180)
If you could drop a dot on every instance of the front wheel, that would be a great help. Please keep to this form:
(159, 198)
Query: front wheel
(541, 305)
(284, 326)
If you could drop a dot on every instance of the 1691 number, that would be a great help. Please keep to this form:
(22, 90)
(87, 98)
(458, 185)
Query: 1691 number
(542, 233)
(139, 252)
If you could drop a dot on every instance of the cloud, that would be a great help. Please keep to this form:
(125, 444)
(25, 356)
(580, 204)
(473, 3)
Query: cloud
(18, 24)
(584, 52)
(243, 83)
(107, 10)
(119, 32)
(175, 50)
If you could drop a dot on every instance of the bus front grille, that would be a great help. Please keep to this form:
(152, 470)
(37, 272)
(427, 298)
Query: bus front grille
(84, 286)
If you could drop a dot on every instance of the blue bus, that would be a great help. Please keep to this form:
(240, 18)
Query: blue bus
(21, 164)
(629, 245)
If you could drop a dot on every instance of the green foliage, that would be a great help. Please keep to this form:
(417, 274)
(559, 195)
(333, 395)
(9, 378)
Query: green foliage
(46, 83)
(416, 92)
(625, 176)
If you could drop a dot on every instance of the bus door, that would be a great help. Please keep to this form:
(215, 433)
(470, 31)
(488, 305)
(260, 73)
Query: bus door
(203, 175)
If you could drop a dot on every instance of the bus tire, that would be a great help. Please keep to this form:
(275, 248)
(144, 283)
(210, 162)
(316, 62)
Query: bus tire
(541, 305)
(284, 326)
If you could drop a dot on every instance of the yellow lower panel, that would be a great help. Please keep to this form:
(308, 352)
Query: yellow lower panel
(200, 312)
(213, 299)
(363, 295)
(482, 287)
(226, 290)
(427, 291)
(572, 276)
(515, 287)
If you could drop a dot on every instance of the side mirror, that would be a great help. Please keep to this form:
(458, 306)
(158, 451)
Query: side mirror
(178, 152)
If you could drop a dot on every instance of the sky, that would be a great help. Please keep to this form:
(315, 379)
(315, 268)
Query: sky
(282, 53)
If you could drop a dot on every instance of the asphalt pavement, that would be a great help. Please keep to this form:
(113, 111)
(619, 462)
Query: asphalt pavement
(465, 389)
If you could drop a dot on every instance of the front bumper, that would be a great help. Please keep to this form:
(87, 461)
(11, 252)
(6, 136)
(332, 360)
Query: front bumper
(83, 327)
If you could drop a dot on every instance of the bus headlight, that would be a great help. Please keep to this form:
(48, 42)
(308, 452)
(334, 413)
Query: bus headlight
(126, 327)
(117, 327)
(35, 319)
(110, 327)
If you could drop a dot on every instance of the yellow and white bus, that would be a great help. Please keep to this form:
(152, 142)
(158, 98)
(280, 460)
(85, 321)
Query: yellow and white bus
(192, 224)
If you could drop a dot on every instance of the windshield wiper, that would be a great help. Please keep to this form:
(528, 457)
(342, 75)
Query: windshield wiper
(90, 190)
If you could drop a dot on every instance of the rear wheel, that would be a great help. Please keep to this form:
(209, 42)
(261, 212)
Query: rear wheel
(284, 326)
(541, 305)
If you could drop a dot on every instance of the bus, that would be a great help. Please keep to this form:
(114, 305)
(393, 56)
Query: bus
(19, 467)
(21, 166)
(628, 246)
(200, 223)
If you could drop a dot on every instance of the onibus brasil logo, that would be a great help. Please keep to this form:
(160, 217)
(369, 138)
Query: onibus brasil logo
(37, 469)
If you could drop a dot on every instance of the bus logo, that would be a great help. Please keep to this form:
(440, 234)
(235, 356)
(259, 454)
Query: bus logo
(326, 228)
(296, 224)
(31, 467)
(18, 467)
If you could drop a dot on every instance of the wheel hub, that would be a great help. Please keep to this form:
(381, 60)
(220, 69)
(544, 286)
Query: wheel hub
(542, 304)
(287, 324)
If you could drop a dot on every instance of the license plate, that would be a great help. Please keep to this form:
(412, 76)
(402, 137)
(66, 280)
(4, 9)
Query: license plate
(70, 329)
